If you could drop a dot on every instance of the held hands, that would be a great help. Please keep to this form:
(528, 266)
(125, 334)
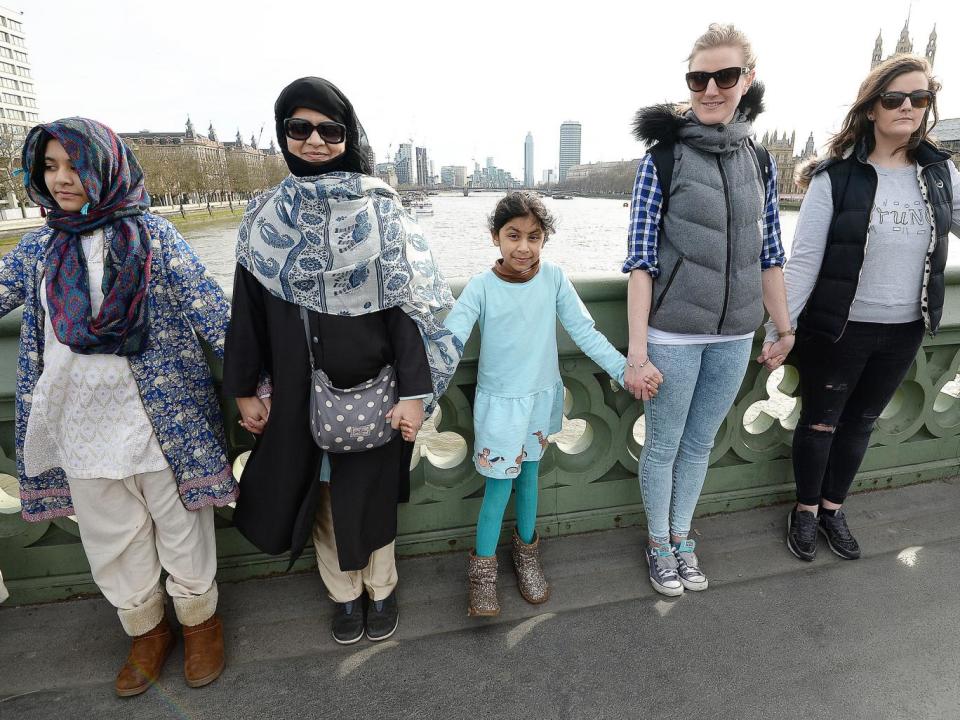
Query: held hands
(774, 354)
(254, 413)
(642, 382)
(407, 416)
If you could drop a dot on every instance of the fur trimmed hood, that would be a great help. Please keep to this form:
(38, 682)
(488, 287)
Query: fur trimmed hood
(659, 123)
(808, 168)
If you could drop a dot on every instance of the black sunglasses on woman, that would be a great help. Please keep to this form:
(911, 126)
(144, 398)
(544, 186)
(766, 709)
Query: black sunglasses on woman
(918, 99)
(726, 78)
(330, 132)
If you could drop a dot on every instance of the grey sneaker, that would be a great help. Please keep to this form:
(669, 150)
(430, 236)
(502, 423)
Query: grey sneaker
(688, 566)
(663, 571)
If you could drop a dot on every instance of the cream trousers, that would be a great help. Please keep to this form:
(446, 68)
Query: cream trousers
(134, 527)
(379, 577)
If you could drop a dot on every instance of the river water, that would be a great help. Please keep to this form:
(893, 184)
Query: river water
(591, 236)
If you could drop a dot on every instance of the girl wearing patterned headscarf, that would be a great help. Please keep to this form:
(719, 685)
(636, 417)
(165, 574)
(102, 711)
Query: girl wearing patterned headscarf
(336, 242)
(117, 422)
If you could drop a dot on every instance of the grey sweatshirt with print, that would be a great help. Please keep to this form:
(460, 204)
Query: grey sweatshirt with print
(892, 275)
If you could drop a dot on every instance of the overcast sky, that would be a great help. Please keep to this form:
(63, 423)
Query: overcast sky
(465, 79)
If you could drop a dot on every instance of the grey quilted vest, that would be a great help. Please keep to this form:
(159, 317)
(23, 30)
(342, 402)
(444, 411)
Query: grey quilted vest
(712, 235)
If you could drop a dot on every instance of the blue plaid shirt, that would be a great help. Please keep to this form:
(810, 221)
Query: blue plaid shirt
(645, 214)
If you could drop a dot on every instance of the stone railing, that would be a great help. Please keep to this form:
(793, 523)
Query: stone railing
(588, 475)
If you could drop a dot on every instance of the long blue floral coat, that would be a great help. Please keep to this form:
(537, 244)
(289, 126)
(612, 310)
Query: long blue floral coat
(171, 374)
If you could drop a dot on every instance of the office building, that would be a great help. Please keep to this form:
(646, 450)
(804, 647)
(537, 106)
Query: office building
(569, 146)
(528, 161)
(423, 168)
(18, 99)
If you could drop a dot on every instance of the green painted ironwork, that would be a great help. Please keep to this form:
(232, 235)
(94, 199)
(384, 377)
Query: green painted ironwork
(592, 486)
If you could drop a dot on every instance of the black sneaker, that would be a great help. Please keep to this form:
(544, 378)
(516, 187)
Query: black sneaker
(838, 536)
(383, 616)
(802, 534)
(347, 623)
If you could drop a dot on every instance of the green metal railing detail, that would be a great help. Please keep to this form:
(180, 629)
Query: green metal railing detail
(591, 486)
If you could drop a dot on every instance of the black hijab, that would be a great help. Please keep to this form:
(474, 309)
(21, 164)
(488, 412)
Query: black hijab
(318, 94)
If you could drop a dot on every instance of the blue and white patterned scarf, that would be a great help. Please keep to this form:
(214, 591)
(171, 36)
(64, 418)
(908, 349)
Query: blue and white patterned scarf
(342, 244)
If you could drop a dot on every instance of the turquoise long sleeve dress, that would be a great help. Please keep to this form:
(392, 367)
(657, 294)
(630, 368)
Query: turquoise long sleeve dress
(519, 396)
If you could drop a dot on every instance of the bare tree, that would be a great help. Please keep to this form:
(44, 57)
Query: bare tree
(276, 169)
(11, 178)
(238, 173)
(615, 179)
(192, 174)
(158, 175)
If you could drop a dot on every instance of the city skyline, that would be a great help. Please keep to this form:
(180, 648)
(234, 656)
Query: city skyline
(478, 109)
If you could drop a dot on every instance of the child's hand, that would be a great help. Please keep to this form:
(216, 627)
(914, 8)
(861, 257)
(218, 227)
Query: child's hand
(407, 416)
(644, 382)
(254, 413)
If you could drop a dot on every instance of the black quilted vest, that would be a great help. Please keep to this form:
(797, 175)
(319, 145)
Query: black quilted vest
(854, 185)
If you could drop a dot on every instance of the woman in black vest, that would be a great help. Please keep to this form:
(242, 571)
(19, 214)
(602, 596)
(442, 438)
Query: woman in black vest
(865, 278)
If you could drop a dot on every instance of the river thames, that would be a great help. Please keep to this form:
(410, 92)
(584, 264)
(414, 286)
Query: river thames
(591, 236)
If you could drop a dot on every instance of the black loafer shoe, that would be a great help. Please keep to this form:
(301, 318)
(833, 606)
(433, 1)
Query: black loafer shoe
(347, 624)
(383, 616)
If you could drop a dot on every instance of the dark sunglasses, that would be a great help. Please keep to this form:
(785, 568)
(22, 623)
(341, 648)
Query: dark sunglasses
(330, 132)
(918, 99)
(725, 79)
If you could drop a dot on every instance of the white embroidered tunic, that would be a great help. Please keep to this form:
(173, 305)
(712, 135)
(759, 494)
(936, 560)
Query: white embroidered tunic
(86, 414)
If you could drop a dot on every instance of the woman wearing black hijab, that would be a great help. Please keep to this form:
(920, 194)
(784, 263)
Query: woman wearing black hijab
(335, 241)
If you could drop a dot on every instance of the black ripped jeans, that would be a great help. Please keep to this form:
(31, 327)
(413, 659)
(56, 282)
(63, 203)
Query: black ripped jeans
(844, 386)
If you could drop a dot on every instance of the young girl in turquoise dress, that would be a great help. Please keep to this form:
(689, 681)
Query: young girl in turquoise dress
(519, 394)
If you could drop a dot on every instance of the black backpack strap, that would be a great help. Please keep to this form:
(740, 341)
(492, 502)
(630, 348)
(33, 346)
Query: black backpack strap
(662, 156)
(763, 158)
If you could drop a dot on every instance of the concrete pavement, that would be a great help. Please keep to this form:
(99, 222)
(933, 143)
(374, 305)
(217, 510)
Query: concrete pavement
(772, 638)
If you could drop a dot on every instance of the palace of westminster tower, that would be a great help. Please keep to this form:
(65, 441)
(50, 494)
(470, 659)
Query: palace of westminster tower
(904, 45)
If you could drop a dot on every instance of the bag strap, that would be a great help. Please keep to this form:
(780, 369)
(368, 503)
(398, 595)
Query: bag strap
(763, 157)
(662, 156)
(306, 328)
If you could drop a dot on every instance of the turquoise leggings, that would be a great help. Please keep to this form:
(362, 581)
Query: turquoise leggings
(495, 499)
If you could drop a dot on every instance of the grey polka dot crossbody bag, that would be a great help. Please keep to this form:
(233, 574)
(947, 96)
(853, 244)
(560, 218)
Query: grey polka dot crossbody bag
(345, 420)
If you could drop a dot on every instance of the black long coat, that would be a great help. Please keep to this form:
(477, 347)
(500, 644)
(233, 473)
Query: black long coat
(279, 488)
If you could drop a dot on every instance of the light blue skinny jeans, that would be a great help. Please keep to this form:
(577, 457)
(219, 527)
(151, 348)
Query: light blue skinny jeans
(700, 383)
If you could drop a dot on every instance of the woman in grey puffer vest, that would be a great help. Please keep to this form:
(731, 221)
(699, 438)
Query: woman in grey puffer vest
(700, 274)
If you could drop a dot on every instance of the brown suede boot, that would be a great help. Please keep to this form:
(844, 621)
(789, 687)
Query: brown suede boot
(203, 652)
(147, 654)
(526, 561)
(482, 572)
